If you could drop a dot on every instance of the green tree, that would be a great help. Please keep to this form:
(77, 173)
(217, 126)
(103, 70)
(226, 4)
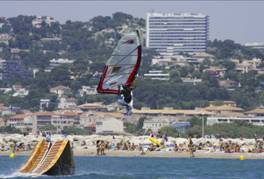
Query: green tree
(48, 128)
(196, 121)
(229, 65)
(60, 76)
(169, 131)
(136, 129)
(9, 130)
(76, 131)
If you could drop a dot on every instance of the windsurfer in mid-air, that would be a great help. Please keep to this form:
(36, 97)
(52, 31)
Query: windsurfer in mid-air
(120, 71)
(126, 98)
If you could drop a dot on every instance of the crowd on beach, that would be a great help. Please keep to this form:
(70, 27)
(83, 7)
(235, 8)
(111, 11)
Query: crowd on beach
(102, 146)
(140, 144)
(16, 147)
(225, 146)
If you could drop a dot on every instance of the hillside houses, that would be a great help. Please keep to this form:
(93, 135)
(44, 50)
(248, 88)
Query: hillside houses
(223, 113)
(256, 112)
(19, 91)
(67, 103)
(34, 122)
(84, 116)
(67, 68)
(60, 61)
(62, 119)
(180, 113)
(94, 117)
(96, 107)
(4, 38)
(193, 81)
(155, 123)
(2, 122)
(23, 122)
(38, 21)
(111, 123)
(60, 90)
(215, 71)
(246, 65)
(87, 90)
(228, 84)
(181, 60)
(157, 75)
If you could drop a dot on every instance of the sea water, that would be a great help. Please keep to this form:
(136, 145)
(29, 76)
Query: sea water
(148, 168)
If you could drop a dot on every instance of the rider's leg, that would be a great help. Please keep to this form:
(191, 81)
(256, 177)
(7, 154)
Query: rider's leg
(128, 110)
(123, 103)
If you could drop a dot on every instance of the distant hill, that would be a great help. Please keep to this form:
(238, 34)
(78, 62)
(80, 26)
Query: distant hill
(72, 54)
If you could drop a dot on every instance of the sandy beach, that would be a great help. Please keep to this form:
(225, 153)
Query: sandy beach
(199, 154)
(120, 146)
(219, 155)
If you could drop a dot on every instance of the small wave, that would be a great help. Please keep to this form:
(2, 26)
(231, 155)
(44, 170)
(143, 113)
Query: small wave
(95, 174)
(16, 175)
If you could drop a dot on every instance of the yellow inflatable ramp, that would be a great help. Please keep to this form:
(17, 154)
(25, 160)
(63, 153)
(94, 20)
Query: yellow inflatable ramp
(50, 159)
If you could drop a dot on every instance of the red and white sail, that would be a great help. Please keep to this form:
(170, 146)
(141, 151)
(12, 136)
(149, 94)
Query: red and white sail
(122, 67)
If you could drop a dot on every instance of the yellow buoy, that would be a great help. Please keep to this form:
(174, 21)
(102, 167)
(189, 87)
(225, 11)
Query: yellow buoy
(12, 155)
(241, 157)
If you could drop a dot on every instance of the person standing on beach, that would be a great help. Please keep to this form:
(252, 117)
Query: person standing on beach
(14, 148)
(165, 137)
(102, 148)
(152, 134)
(191, 147)
(176, 148)
(98, 143)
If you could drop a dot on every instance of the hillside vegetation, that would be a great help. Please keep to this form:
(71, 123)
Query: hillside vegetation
(91, 43)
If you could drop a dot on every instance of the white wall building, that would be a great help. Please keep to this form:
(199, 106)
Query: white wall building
(255, 45)
(21, 93)
(62, 119)
(88, 90)
(193, 81)
(67, 103)
(258, 121)
(4, 38)
(60, 90)
(37, 22)
(88, 119)
(60, 61)
(23, 122)
(157, 75)
(109, 125)
(41, 119)
(155, 123)
(172, 33)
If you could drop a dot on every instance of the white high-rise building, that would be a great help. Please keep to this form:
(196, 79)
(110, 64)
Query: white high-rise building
(172, 33)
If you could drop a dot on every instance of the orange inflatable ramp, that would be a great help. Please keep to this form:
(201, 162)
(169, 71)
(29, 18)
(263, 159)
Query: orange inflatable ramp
(50, 159)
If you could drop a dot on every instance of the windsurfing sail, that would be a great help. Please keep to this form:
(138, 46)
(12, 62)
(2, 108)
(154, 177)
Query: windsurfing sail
(122, 67)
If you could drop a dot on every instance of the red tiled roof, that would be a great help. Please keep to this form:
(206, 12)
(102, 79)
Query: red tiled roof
(43, 113)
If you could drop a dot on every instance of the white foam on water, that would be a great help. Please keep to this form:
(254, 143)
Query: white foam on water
(105, 174)
(16, 175)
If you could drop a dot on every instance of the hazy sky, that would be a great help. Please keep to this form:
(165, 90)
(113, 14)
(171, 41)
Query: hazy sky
(238, 20)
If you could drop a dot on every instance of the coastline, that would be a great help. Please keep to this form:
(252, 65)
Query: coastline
(118, 146)
(172, 154)
(157, 154)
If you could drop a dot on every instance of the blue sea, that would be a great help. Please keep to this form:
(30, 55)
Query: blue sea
(148, 168)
